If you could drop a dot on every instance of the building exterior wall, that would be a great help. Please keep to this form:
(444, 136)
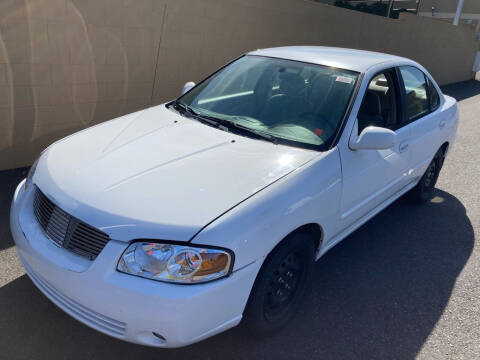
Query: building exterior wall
(69, 64)
(446, 9)
(450, 6)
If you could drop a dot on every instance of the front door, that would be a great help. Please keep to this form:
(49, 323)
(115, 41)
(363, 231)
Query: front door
(372, 176)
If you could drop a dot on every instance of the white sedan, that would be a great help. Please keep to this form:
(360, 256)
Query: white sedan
(171, 224)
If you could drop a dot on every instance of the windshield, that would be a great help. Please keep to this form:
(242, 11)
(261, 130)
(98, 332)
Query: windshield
(297, 103)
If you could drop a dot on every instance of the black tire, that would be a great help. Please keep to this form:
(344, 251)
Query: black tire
(423, 191)
(280, 286)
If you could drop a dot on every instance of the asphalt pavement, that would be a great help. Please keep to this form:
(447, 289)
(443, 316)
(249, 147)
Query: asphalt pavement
(405, 285)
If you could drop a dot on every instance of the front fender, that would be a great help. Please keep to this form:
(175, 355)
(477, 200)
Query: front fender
(310, 194)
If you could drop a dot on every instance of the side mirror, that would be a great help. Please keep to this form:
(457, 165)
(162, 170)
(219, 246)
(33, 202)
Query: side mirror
(374, 138)
(187, 87)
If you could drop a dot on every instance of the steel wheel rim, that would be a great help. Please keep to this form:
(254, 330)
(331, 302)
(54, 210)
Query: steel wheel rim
(282, 285)
(430, 176)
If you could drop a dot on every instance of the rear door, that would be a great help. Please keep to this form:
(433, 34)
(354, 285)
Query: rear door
(422, 116)
(372, 176)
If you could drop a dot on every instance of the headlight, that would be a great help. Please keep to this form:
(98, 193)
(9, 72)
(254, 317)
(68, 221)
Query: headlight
(175, 262)
(30, 174)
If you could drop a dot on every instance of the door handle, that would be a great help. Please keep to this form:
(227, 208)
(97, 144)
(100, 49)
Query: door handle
(442, 124)
(403, 147)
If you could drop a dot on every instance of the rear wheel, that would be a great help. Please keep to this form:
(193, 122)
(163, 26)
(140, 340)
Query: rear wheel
(280, 286)
(423, 191)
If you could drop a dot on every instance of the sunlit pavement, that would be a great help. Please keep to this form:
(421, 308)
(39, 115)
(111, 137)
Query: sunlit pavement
(405, 285)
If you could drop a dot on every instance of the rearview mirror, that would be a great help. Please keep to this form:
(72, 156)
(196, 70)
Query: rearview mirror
(187, 87)
(374, 138)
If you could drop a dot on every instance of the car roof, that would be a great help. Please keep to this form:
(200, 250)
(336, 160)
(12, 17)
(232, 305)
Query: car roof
(351, 59)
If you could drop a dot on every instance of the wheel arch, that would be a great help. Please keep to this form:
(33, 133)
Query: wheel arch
(445, 147)
(314, 230)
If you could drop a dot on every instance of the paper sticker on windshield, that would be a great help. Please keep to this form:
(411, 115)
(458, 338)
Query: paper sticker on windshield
(344, 79)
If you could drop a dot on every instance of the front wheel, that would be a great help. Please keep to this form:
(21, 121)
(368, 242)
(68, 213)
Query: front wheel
(423, 191)
(280, 286)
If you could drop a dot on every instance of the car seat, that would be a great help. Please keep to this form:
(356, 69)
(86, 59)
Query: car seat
(290, 103)
(370, 113)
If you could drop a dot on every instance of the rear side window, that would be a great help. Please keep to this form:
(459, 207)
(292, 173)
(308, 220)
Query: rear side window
(434, 97)
(415, 92)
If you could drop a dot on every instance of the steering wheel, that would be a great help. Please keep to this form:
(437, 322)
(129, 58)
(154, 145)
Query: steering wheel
(325, 121)
(307, 114)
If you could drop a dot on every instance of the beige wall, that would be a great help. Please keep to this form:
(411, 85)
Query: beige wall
(66, 65)
(69, 64)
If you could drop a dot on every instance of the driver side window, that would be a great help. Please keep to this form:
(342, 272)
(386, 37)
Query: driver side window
(379, 106)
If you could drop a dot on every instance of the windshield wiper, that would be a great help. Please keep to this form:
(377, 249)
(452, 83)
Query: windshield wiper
(222, 123)
(187, 109)
(261, 134)
(228, 123)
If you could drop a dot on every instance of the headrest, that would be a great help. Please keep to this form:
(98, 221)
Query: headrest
(321, 87)
(371, 104)
(291, 84)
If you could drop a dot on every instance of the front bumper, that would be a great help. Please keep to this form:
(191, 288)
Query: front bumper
(120, 305)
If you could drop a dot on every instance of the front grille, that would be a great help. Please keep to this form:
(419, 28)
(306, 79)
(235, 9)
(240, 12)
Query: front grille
(67, 231)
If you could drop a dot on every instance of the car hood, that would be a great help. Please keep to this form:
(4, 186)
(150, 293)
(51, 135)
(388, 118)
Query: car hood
(156, 174)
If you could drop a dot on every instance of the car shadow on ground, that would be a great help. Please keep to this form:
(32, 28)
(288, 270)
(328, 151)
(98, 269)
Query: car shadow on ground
(377, 295)
(9, 180)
